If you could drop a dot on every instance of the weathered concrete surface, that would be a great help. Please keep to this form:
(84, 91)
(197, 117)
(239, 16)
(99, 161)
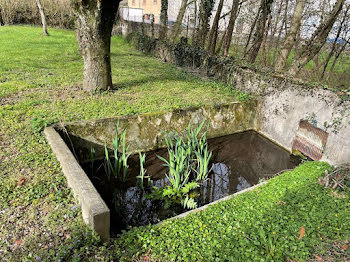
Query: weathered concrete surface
(95, 212)
(283, 109)
(145, 131)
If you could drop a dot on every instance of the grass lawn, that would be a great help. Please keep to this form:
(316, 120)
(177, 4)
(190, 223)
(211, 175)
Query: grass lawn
(41, 83)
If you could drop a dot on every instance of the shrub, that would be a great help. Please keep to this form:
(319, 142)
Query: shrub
(26, 12)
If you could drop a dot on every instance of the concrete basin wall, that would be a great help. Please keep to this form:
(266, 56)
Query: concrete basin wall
(146, 131)
(284, 103)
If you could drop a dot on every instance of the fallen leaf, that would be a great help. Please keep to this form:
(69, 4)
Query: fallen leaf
(19, 242)
(21, 182)
(318, 258)
(301, 232)
(68, 236)
(344, 247)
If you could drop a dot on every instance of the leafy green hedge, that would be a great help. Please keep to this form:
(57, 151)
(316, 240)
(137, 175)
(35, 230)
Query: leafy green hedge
(259, 225)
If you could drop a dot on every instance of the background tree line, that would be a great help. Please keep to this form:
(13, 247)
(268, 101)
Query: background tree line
(285, 35)
(303, 38)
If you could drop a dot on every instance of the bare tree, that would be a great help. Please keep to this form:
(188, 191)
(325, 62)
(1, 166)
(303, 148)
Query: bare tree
(43, 18)
(275, 21)
(266, 35)
(264, 12)
(213, 33)
(283, 25)
(338, 53)
(317, 40)
(95, 19)
(252, 27)
(291, 37)
(163, 20)
(180, 17)
(336, 39)
(231, 25)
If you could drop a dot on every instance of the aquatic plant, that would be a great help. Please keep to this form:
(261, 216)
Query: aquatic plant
(196, 150)
(171, 195)
(92, 157)
(178, 164)
(188, 164)
(120, 161)
(143, 171)
(203, 161)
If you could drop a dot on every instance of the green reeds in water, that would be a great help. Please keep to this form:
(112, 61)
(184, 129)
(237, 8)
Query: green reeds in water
(92, 157)
(118, 165)
(188, 164)
(141, 178)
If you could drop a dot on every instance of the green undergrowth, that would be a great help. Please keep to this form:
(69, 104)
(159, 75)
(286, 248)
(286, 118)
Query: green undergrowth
(260, 225)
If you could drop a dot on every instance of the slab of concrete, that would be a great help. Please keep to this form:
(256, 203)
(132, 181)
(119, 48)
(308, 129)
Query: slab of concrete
(95, 211)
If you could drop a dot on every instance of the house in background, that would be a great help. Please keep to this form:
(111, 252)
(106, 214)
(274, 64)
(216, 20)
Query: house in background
(135, 10)
(144, 10)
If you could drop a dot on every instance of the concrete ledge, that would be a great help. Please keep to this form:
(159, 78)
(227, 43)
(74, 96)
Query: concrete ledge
(145, 131)
(95, 211)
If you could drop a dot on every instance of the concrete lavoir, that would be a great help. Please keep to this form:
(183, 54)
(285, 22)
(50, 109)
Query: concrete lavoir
(144, 132)
(277, 117)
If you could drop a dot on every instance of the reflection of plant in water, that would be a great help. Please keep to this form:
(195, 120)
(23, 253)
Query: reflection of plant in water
(92, 157)
(202, 164)
(188, 166)
(120, 161)
(143, 171)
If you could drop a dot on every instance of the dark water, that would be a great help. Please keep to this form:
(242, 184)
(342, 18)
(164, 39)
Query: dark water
(239, 161)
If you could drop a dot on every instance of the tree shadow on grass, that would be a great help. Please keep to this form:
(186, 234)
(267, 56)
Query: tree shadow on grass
(129, 55)
(117, 85)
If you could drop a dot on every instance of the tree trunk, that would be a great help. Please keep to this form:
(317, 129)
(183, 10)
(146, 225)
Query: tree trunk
(1, 20)
(218, 50)
(231, 25)
(43, 18)
(337, 55)
(290, 40)
(205, 11)
(266, 35)
(317, 40)
(179, 19)
(334, 45)
(251, 33)
(163, 20)
(284, 24)
(265, 10)
(194, 29)
(276, 20)
(213, 34)
(95, 20)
